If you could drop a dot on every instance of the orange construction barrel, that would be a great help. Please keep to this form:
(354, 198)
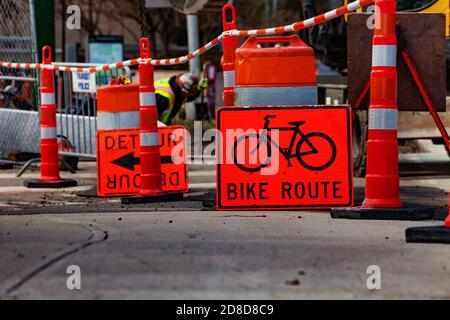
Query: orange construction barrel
(118, 107)
(275, 76)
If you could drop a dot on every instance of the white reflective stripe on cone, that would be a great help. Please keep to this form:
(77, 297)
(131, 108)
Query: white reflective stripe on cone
(383, 119)
(48, 133)
(384, 56)
(229, 79)
(118, 120)
(275, 96)
(147, 99)
(47, 98)
(149, 139)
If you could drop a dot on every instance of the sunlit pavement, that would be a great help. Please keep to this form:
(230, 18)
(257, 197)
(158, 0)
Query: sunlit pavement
(188, 251)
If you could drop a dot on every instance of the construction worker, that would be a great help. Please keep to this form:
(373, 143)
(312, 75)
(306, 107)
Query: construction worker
(172, 93)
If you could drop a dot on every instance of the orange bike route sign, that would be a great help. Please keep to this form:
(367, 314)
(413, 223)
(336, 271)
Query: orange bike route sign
(284, 158)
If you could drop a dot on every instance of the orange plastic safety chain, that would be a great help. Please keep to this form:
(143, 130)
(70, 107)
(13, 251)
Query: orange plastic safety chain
(297, 26)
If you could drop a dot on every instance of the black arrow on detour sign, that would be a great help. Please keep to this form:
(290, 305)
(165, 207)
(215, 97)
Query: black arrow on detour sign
(129, 161)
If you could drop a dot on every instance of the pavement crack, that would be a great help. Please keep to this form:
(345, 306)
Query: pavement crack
(97, 236)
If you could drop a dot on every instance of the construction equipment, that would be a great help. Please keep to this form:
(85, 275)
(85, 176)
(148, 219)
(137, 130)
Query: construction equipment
(330, 41)
(330, 44)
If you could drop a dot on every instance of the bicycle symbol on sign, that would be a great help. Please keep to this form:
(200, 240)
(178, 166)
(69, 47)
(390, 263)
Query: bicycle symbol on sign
(318, 144)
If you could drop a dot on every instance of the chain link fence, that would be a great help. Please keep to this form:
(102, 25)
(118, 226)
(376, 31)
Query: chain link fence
(19, 106)
(17, 87)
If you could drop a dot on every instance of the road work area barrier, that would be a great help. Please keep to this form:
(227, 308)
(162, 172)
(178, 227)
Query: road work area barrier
(331, 153)
(49, 170)
(118, 107)
(284, 75)
(284, 158)
(119, 163)
(294, 27)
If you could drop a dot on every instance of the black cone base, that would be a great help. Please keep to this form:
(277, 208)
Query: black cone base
(6, 166)
(38, 184)
(428, 235)
(163, 197)
(408, 214)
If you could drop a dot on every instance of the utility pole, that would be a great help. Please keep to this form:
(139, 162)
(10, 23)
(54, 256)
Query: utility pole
(63, 29)
(44, 19)
(194, 64)
(272, 8)
(193, 42)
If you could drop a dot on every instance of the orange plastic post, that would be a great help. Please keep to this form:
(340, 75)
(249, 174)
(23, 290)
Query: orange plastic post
(447, 221)
(382, 180)
(151, 181)
(49, 143)
(230, 44)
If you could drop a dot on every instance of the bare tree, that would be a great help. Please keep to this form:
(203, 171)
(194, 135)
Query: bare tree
(166, 26)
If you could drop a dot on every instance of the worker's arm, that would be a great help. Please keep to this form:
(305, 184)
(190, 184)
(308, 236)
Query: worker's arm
(202, 86)
(162, 104)
(193, 98)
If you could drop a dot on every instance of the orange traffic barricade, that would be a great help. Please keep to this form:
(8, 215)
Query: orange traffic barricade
(118, 107)
(275, 76)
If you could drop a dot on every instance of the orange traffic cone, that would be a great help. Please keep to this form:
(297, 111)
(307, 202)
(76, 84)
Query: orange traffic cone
(230, 44)
(50, 177)
(382, 189)
(151, 181)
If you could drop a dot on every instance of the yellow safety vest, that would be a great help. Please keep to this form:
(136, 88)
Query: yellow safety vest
(162, 87)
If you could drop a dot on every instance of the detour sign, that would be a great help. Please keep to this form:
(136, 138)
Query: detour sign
(118, 162)
(284, 158)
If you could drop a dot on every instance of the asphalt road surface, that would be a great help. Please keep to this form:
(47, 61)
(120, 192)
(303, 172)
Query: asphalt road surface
(187, 250)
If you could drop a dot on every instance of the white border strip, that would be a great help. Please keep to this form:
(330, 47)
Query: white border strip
(384, 56)
(47, 99)
(150, 139)
(383, 119)
(48, 133)
(229, 79)
(147, 99)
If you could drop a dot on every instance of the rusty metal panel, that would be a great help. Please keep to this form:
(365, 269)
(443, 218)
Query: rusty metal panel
(424, 35)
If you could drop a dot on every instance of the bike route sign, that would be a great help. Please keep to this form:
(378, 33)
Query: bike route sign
(119, 164)
(284, 158)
